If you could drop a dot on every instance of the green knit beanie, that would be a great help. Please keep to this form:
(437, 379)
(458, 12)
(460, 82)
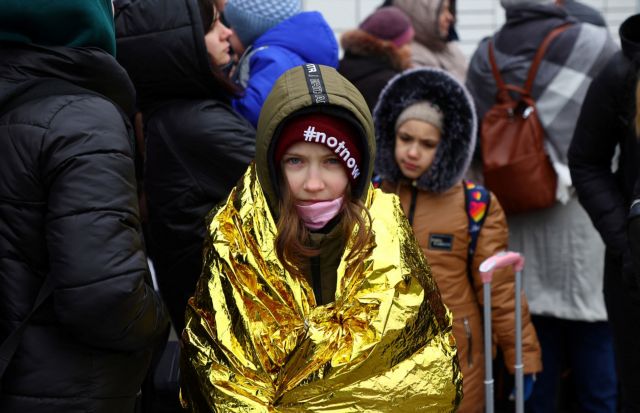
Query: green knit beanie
(74, 23)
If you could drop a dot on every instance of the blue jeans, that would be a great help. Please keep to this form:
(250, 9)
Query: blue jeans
(587, 349)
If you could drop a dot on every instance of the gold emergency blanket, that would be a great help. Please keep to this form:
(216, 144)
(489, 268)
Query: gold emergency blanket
(256, 342)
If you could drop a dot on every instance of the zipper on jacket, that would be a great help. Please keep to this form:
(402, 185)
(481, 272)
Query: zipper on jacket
(467, 330)
(414, 199)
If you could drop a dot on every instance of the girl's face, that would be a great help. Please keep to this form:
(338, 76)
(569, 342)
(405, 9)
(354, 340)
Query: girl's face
(217, 42)
(445, 19)
(416, 144)
(314, 173)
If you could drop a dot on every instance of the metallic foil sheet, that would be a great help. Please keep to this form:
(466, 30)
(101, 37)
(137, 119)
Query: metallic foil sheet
(255, 341)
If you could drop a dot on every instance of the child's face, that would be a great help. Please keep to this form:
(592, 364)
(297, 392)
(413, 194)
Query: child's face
(313, 172)
(217, 42)
(416, 144)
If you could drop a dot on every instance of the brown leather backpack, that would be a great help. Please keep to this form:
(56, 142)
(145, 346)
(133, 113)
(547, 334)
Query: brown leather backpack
(515, 165)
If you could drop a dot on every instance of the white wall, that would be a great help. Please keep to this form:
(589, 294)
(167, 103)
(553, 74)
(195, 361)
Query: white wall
(476, 18)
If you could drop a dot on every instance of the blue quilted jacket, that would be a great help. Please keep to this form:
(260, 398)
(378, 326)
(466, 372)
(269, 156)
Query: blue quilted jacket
(303, 38)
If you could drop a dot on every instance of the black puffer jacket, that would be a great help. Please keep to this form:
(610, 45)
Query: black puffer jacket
(607, 120)
(197, 147)
(69, 212)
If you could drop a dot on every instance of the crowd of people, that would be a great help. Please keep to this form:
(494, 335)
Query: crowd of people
(313, 223)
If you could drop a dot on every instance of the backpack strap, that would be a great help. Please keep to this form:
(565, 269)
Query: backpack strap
(494, 67)
(503, 88)
(542, 49)
(477, 200)
(376, 181)
(10, 345)
(533, 69)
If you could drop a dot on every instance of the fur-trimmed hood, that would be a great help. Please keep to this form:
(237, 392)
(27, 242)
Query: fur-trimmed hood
(459, 126)
(361, 43)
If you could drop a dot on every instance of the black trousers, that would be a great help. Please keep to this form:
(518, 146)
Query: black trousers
(622, 298)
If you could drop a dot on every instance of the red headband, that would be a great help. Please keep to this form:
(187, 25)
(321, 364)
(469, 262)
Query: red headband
(334, 133)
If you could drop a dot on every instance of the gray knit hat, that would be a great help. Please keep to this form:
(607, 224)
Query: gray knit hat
(250, 19)
(424, 111)
(509, 4)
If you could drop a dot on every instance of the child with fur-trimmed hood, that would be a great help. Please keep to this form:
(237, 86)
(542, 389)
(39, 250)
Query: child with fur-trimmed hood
(426, 129)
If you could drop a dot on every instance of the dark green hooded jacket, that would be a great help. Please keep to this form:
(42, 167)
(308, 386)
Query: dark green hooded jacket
(289, 98)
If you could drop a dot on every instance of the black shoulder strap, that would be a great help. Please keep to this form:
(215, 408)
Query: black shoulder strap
(10, 345)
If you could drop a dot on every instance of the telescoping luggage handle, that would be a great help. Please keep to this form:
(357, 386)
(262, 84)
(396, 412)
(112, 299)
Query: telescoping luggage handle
(488, 266)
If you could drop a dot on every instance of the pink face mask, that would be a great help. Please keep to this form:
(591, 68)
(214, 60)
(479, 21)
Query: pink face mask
(316, 215)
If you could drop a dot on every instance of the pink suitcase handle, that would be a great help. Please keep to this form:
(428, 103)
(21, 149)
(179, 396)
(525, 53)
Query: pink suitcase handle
(488, 266)
(500, 260)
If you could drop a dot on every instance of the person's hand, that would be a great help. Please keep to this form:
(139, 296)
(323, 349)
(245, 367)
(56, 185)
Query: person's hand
(528, 381)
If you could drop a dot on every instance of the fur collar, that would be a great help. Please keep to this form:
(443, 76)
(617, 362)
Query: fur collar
(361, 43)
(459, 126)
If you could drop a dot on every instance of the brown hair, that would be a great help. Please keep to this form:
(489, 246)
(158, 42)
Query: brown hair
(292, 240)
(209, 15)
